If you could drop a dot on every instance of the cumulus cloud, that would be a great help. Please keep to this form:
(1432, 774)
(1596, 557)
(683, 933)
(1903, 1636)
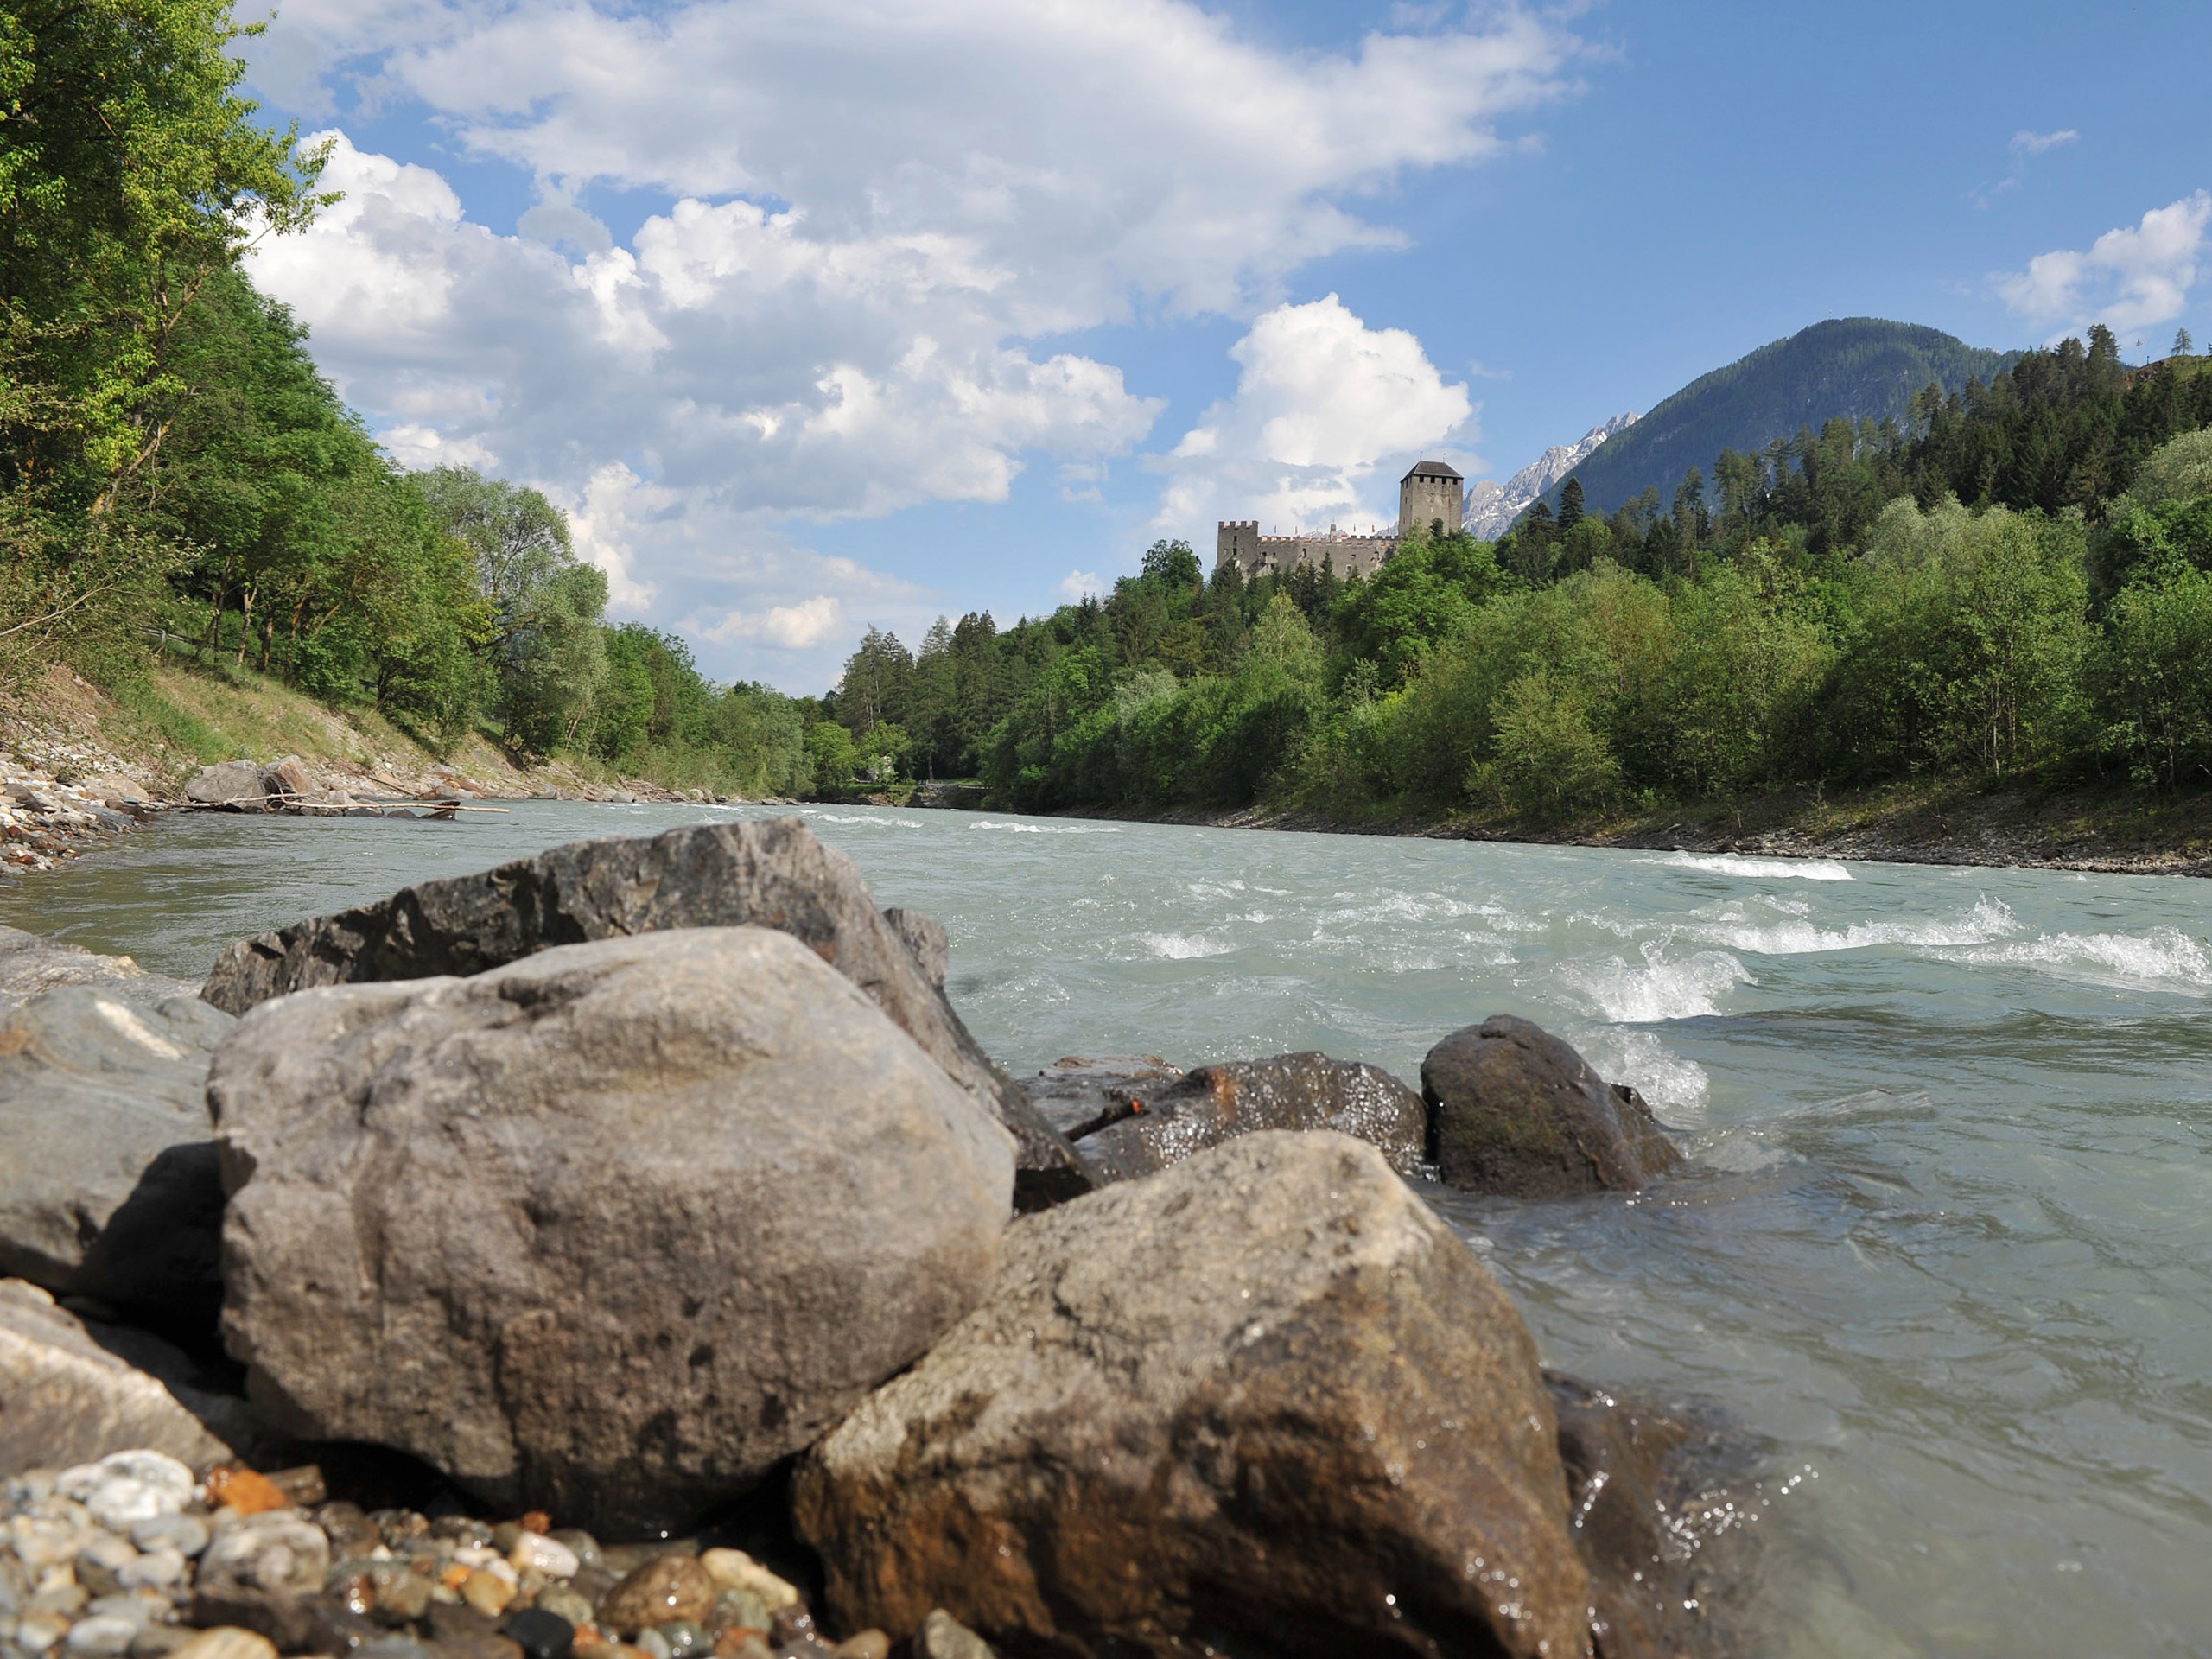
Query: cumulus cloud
(1076, 584)
(869, 213)
(1321, 401)
(2128, 279)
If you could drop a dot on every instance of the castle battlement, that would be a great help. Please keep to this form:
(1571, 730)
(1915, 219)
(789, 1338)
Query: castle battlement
(1430, 494)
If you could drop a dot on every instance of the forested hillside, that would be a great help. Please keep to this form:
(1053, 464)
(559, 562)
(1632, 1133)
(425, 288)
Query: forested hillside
(1855, 369)
(2014, 583)
(172, 465)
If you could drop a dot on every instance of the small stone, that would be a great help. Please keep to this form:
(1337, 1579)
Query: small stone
(303, 1487)
(741, 1610)
(668, 1587)
(157, 1569)
(585, 1545)
(394, 1646)
(536, 1520)
(246, 1491)
(398, 1526)
(281, 1553)
(536, 1551)
(868, 1644)
(460, 1530)
(684, 1637)
(505, 1535)
(103, 1636)
(58, 1593)
(942, 1637)
(398, 1595)
(741, 1644)
(564, 1604)
(185, 1534)
(160, 1640)
(487, 1592)
(542, 1633)
(652, 1644)
(104, 1556)
(141, 1607)
(733, 1569)
(37, 1632)
(128, 1486)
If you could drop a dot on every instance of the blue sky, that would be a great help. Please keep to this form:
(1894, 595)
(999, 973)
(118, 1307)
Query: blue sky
(824, 314)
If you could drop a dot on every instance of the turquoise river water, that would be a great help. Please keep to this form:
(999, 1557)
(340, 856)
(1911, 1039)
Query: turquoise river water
(1948, 1239)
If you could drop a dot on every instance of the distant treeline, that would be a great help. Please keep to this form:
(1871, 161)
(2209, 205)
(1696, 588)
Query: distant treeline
(2017, 584)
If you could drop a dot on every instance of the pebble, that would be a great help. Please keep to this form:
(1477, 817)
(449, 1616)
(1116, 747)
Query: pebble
(943, 1636)
(101, 1562)
(185, 1534)
(157, 1569)
(565, 1604)
(36, 1632)
(246, 1491)
(227, 1642)
(652, 1644)
(547, 1555)
(487, 1591)
(542, 1633)
(103, 1636)
(868, 1644)
(667, 1588)
(278, 1551)
(733, 1569)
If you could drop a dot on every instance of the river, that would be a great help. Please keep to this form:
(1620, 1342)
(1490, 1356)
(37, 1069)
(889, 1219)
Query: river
(1947, 1238)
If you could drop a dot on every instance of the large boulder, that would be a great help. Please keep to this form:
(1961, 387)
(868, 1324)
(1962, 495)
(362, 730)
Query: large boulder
(1516, 1111)
(768, 874)
(1266, 1399)
(108, 1179)
(66, 1399)
(1213, 1103)
(607, 1232)
(239, 783)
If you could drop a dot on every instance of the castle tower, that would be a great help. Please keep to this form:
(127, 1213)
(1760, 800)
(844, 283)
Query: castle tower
(1238, 539)
(1430, 491)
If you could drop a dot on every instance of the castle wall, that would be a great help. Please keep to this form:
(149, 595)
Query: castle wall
(1258, 555)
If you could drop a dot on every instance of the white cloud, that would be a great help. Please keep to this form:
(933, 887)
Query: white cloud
(2126, 279)
(2035, 144)
(1322, 400)
(790, 627)
(1078, 583)
(870, 209)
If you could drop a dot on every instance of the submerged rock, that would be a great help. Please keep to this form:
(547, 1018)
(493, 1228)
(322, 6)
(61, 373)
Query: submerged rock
(1079, 1095)
(1214, 1103)
(1516, 1111)
(1266, 1399)
(240, 784)
(607, 1232)
(66, 1399)
(108, 1183)
(768, 874)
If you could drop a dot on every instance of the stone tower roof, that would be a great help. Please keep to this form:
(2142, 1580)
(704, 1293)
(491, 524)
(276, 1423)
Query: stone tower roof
(1433, 470)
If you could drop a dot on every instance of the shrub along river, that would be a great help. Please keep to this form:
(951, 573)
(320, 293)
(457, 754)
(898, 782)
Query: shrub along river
(1947, 1240)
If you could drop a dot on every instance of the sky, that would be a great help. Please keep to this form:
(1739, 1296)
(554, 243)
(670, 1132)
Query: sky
(817, 315)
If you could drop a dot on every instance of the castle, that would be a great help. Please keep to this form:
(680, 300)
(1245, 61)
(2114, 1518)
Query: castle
(1430, 493)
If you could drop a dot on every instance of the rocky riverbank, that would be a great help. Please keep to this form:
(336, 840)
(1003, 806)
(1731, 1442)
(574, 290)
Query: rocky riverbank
(2112, 832)
(653, 1190)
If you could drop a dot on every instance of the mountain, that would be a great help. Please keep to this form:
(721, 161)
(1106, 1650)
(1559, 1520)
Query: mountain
(1856, 368)
(1492, 507)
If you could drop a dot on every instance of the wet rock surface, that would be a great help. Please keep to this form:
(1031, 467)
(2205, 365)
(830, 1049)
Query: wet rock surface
(772, 874)
(1265, 1400)
(1215, 1103)
(607, 1230)
(1077, 1095)
(1516, 1111)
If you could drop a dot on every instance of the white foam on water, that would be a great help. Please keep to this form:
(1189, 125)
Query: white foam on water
(2165, 958)
(1049, 828)
(856, 817)
(1183, 947)
(1989, 919)
(1786, 869)
(1660, 990)
(1675, 1088)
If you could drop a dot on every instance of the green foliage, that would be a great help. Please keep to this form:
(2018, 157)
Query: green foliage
(1547, 761)
(2150, 680)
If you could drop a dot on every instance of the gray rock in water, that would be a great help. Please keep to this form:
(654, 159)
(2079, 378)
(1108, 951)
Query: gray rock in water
(943, 1636)
(1078, 1096)
(772, 874)
(66, 1399)
(1290, 1092)
(1267, 1394)
(233, 783)
(924, 936)
(108, 1179)
(607, 1232)
(1518, 1112)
